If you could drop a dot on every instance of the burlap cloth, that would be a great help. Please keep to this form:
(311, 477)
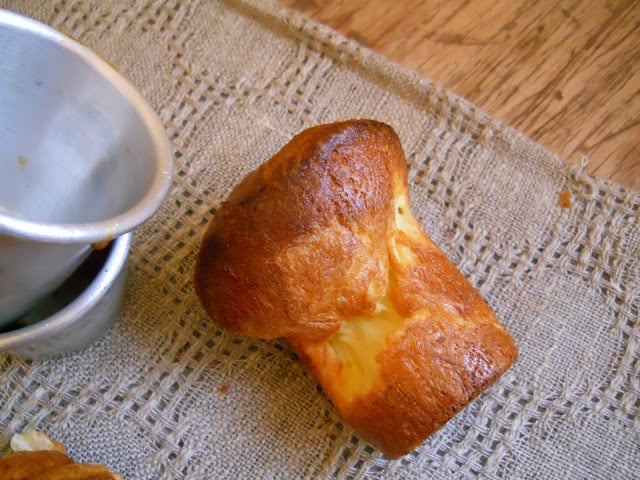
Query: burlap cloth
(166, 394)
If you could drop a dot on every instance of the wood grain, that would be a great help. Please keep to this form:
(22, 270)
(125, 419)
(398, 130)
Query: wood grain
(565, 73)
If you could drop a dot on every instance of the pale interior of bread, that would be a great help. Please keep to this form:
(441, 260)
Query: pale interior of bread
(357, 344)
(360, 339)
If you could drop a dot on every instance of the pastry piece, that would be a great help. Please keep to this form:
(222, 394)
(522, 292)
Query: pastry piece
(77, 471)
(35, 456)
(318, 245)
(33, 440)
(27, 464)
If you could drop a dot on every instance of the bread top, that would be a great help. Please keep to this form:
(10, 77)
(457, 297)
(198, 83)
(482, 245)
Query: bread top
(301, 242)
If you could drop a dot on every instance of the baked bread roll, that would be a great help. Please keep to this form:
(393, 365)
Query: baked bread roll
(318, 245)
(35, 456)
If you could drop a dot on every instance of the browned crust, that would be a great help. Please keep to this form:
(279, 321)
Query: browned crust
(426, 381)
(284, 255)
(26, 465)
(50, 465)
(35, 456)
(77, 471)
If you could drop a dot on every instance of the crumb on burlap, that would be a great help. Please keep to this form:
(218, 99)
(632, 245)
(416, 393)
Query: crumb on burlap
(565, 199)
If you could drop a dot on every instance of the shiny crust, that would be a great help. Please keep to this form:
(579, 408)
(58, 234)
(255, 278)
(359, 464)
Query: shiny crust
(319, 246)
(23, 465)
(284, 256)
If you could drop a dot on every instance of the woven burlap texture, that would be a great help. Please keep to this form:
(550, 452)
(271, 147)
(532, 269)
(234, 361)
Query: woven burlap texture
(167, 394)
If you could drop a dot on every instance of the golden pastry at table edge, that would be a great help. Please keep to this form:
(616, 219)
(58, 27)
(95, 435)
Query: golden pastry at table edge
(37, 457)
(318, 245)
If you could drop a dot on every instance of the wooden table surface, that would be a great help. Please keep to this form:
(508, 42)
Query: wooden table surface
(565, 73)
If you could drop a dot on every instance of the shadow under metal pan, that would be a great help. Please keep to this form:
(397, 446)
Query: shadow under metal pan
(78, 312)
